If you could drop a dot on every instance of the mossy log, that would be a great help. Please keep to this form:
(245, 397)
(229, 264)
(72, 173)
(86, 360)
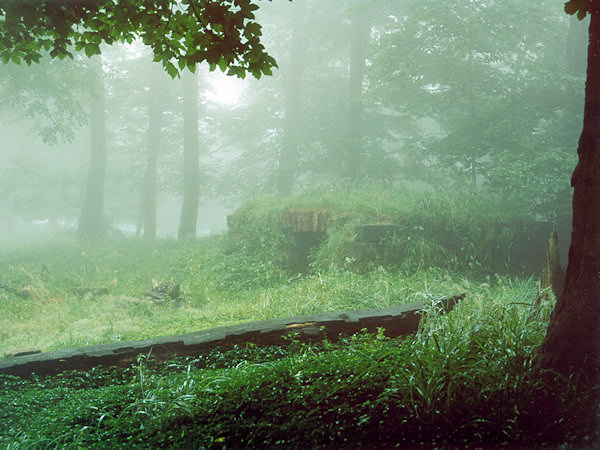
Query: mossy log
(396, 320)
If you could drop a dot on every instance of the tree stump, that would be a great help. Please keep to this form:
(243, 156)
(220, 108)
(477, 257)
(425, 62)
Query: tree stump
(552, 276)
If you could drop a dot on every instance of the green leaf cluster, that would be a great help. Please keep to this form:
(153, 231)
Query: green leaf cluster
(579, 7)
(181, 34)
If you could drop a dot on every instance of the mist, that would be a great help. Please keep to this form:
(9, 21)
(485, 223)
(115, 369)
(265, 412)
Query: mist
(371, 97)
(362, 244)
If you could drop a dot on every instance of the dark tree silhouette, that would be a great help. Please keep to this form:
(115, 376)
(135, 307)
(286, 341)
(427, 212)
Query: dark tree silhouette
(153, 133)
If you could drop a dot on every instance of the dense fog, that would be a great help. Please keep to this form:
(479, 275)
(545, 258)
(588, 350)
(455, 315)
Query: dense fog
(387, 239)
(487, 95)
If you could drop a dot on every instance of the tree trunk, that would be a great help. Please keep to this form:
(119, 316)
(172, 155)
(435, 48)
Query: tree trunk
(91, 223)
(472, 132)
(572, 343)
(191, 158)
(358, 48)
(149, 190)
(290, 145)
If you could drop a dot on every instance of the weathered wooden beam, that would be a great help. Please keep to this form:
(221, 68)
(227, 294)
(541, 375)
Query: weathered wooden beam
(305, 220)
(396, 320)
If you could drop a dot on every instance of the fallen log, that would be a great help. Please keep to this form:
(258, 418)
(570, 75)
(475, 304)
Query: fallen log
(396, 320)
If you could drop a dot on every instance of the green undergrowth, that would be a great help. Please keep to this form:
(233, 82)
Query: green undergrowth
(466, 378)
(51, 302)
(46, 308)
(457, 230)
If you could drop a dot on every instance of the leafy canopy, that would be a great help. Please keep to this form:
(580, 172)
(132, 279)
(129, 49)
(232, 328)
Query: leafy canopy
(181, 33)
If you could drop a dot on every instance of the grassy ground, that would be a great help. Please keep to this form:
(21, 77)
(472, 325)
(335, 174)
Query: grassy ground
(467, 378)
(46, 309)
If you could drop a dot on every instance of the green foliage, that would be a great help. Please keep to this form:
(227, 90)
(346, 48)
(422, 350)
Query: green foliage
(458, 230)
(48, 93)
(581, 7)
(467, 377)
(68, 293)
(255, 229)
(221, 32)
(502, 102)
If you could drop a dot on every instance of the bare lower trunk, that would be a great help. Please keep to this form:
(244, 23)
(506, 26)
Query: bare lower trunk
(572, 344)
(149, 194)
(191, 158)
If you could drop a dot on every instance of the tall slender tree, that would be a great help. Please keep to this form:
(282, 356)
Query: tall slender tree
(153, 133)
(91, 220)
(191, 158)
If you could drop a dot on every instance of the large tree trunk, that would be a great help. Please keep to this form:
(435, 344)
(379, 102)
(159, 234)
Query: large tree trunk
(572, 344)
(149, 189)
(290, 145)
(191, 158)
(91, 223)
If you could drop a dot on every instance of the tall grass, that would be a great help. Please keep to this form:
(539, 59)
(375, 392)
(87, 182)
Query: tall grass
(67, 293)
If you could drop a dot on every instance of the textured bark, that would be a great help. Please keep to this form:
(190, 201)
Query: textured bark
(91, 223)
(149, 190)
(191, 158)
(572, 344)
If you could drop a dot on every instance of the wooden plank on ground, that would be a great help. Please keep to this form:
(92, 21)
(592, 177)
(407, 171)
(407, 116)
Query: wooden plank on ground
(396, 320)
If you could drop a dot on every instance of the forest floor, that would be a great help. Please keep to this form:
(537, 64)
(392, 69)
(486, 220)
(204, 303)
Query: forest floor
(466, 378)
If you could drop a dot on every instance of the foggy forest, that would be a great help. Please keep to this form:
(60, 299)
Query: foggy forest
(304, 224)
